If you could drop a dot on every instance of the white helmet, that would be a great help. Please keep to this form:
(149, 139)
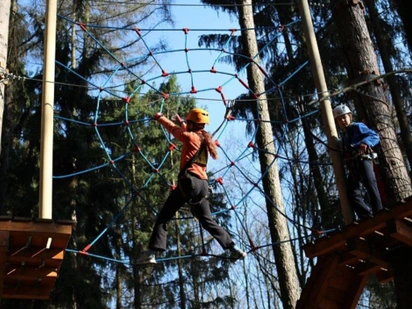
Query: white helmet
(340, 110)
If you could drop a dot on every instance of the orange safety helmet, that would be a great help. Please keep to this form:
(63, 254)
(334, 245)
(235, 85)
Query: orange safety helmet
(198, 115)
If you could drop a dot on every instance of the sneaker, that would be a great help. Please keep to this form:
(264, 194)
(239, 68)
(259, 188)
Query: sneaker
(146, 258)
(236, 254)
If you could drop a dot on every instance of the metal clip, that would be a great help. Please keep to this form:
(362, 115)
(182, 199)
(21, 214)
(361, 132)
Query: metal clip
(369, 156)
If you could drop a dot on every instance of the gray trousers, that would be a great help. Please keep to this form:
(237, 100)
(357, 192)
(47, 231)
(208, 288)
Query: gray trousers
(362, 171)
(195, 191)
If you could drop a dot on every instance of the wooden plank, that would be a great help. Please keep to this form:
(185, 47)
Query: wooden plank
(362, 249)
(36, 258)
(327, 245)
(356, 288)
(26, 219)
(347, 284)
(367, 269)
(35, 254)
(316, 284)
(400, 231)
(4, 244)
(335, 294)
(31, 268)
(26, 292)
(326, 304)
(37, 227)
(36, 264)
(309, 285)
(38, 239)
(384, 276)
(379, 239)
(344, 282)
(46, 282)
(4, 239)
(66, 222)
(342, 277)
(23, 272)
(318, 291)
(37, 220)
(348, 259)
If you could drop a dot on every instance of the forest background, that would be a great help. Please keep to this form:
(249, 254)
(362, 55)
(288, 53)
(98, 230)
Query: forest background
(89, 190)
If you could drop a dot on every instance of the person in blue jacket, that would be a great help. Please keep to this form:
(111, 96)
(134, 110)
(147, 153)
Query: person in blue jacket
(357, 142)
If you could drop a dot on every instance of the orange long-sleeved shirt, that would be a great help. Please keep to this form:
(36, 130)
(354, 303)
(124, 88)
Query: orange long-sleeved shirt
(191, 142)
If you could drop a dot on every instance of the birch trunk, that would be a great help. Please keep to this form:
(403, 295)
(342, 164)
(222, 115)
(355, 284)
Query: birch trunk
(284, 258)
(4, 38)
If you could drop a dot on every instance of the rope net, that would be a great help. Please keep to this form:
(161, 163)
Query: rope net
(130, 90)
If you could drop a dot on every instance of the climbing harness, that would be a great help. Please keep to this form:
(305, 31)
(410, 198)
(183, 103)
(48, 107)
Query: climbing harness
(186, 182)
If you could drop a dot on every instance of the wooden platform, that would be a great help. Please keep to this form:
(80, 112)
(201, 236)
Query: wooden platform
(346, 258)
(31, 253)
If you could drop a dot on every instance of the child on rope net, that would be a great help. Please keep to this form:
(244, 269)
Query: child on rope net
(192, 184)
(357, 142)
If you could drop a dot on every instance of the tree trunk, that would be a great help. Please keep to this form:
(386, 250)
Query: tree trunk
(393, 85)
(5, 8)
(285, 262)
(370, 100)
(4, 37)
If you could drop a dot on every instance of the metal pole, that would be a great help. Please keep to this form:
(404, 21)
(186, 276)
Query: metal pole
(46, 150)
(325, 107)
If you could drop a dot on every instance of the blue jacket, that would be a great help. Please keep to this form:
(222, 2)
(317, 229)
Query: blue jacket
(356, 134)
